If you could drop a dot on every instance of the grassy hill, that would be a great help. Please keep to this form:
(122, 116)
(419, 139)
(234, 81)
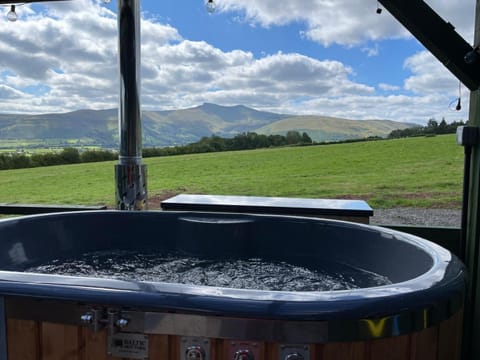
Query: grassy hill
(179, 127)
(324, 128)
(420, 172)
(83, 126)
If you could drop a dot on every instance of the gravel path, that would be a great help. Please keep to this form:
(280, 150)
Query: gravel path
(414, 216)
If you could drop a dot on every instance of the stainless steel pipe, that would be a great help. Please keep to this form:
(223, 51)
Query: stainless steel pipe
(130, 174)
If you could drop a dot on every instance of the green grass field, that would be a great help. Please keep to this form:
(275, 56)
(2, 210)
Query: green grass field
(419, 172)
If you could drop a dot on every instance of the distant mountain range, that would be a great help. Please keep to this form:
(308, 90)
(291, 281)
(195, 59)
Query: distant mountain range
(179, 127)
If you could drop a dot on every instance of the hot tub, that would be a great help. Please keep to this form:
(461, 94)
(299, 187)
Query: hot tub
(42, 316)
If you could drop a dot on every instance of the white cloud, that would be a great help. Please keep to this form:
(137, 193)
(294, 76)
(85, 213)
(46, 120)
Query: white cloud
(347, 22)
(199, 72)
(70, 48)
(393, 107)
(429, 76)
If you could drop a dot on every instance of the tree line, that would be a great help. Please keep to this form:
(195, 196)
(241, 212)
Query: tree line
(432, 128)
(69, 155)
(243, 141)
(66, 156)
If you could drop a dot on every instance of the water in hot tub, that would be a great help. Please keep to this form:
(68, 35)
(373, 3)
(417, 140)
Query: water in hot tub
(233, 273)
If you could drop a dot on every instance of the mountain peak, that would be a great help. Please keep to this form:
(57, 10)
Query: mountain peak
(212, 106)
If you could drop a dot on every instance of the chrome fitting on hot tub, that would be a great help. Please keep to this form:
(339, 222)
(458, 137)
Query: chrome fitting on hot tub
(244, 350)
(244, 354)
(98, 319)
(294, 356)
(94, 318)
(192, 347)
(116, 321)
(294, 352)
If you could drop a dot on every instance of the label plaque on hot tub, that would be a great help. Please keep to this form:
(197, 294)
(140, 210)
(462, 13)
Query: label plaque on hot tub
(128, 345)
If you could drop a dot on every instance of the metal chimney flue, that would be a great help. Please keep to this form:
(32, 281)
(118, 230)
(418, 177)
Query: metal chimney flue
(130, 174)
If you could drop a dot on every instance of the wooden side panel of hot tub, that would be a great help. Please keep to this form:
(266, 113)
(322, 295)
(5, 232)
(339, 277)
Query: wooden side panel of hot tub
(31, 340)
(442, 342)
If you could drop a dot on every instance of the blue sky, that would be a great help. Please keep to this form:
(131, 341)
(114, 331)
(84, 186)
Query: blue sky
(324, 57)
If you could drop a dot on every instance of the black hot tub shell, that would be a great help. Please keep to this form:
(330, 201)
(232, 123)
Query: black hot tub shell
(424, 300)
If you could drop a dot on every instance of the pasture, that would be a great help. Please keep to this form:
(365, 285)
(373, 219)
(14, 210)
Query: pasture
(419, 172)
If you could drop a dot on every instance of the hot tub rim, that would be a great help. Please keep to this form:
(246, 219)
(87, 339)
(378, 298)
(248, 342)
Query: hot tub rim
(191, 216)
(441, 258)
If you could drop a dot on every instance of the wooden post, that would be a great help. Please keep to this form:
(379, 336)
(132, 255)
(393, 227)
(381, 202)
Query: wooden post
(471, 346)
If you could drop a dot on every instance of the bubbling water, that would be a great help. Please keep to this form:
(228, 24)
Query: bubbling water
(250, 273)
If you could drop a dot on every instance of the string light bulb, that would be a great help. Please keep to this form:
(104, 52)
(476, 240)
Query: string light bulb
(459, 102)
(459, 105)
(211, 6)
(12, 15)
(456, 105)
